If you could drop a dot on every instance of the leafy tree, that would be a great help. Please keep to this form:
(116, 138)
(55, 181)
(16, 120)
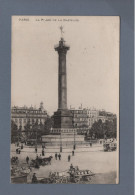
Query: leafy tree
(97, 129)
(47, 125)
(27, 126)
(14, 131)
(101, 130)
(27, 129)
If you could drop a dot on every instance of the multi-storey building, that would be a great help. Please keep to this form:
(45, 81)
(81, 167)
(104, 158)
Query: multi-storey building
(23, 115)
(103, 115)
(80, 118)
(92, 114)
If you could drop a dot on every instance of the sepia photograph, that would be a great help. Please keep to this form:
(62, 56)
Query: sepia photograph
(65, 100)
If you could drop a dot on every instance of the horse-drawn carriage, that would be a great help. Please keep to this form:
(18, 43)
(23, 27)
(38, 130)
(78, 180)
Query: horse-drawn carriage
(39, 161)
(76, 175)
(73, 175)
(110, 146)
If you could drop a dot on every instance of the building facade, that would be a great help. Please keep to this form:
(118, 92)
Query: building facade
(80, 120)
(23, 115)
(88, 116)
(103, 115)
(93, 115)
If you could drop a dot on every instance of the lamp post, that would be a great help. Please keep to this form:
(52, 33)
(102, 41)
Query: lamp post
(18, 138)
(60, 142)
(37, 129)
(74, 146)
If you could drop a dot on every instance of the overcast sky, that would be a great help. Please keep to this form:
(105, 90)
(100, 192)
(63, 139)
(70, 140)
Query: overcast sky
(92, 61)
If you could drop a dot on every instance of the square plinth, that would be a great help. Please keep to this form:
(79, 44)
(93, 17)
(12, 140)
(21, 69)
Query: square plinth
(63, 119)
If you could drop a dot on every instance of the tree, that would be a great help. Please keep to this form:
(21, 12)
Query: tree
(97, 129)
(107, 129)
(47, 126)
(37, 130)
(14, 131)
(27, 126)
(27, 129)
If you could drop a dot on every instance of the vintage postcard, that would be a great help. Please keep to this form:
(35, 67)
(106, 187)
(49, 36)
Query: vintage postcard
(65, 99)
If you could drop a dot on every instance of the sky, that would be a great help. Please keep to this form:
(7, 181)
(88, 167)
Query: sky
(92, 61)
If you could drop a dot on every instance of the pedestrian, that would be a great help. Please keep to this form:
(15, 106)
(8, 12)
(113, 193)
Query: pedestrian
(73, 153)
(36, 149)
(43, 153)
(59, 156)
(71, 167)
(56, 156)
(27, 160)
(19, 151)
(34, 178)
(68, 158)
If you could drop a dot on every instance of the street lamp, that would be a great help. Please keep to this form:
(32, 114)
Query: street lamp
(18, 138)
(74, 146)
(60, 142)
(37, 129)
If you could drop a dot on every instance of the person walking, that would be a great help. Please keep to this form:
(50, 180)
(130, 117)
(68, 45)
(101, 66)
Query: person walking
(17, 151)
(27, 160)
(36, 149)
(56, 156)
(59, 156)
(69, 158)
(73, 153)
(43, 153)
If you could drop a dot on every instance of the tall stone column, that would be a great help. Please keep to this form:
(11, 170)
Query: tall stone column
(63, 116)
(62, 77)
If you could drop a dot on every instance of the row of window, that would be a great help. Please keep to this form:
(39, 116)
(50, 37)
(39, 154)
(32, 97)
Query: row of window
(27, 120)
(78, 112)
(28, 111)
(64, 131)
